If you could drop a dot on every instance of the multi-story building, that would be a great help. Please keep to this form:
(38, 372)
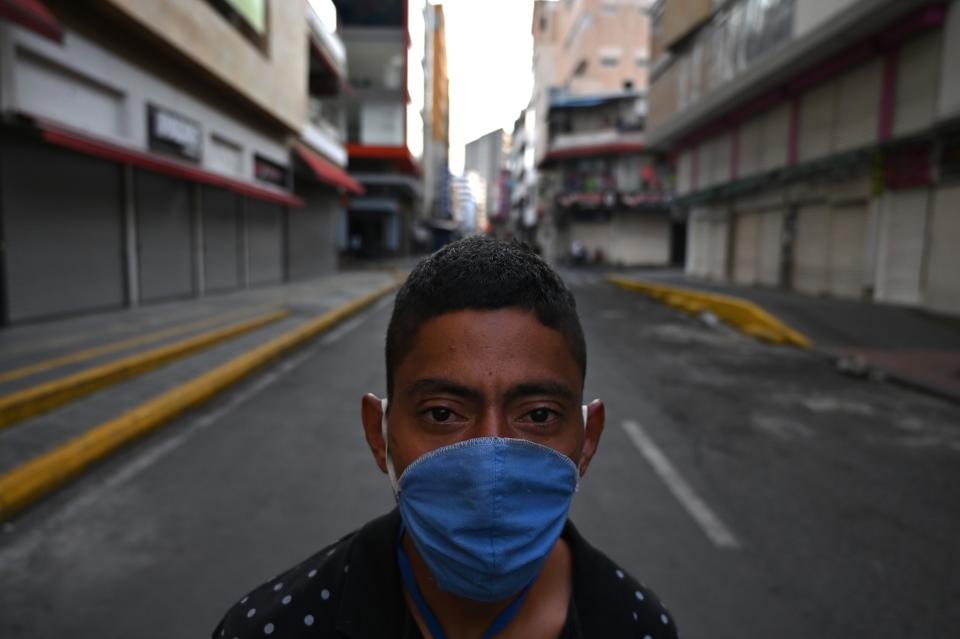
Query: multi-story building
(145, 152)
(599, 188)
(487, 158)
(816, 144)
(385, 43)
(436, 127)
(522, 222)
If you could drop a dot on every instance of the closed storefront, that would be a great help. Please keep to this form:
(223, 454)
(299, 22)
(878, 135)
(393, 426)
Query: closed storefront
(62, 232)
(811, 249)
(264, 237)
(164, 237)
(942, 290)
(848, 233)
(312, 237)
(771, 248)
(746, 248)
(901, 246)
(221, 239)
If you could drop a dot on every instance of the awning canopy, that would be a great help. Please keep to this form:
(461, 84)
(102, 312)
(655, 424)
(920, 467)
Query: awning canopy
(91, 146)
(400, 156)
(591, 151)
(33, 15)
(328, 172)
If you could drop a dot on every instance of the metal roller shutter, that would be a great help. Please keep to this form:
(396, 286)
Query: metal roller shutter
(62, 232)
(848, 233)
(313, 238)
(811, 249)
(165, 237)
(900, 254)
(771, 248)
(221, 239)
(942, 291)
(264, 225)
(745, 249)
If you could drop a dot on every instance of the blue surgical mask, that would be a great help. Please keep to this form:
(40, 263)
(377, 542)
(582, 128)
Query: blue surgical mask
(484, 513)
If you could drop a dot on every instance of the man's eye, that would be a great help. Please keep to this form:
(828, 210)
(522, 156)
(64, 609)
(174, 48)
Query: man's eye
(540, 415)
(440, 414)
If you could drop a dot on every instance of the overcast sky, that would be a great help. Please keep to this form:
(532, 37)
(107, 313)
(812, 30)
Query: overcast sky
(489, 59)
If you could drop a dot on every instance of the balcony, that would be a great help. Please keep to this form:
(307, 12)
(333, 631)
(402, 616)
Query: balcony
(327, 43)
(324, 130)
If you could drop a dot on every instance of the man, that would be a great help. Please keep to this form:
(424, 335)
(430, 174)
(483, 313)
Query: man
(484, 440)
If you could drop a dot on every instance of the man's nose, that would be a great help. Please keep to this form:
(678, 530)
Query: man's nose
(493, 423)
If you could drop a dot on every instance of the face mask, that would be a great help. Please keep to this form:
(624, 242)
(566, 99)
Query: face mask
(484, 513)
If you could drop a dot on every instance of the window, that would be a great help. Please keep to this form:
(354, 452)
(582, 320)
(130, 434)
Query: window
(610, 57)
(249, 17)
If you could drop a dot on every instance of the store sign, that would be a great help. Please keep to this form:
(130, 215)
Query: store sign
(268, 171)
(169, 132)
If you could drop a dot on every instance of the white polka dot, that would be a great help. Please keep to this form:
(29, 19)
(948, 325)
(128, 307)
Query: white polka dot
(244, 600)
(268, 629)
(278, 587)
(639, 595)
(286, 600)
(620, 574)
(664, 620)
(308, 620)
(634, 616)
(346, 568)
(332, 550)
(312, 574)
(324, 594)
(647, 637)
(251, 612)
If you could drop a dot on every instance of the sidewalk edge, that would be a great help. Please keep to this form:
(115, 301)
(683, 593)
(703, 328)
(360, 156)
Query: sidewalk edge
(30, 482)
(742, 314)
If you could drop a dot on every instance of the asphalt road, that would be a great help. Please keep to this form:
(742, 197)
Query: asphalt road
(758, 491)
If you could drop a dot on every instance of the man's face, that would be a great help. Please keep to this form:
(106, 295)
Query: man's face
(485, 374)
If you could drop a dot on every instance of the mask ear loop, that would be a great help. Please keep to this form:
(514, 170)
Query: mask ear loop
(391, 471)
(583, 410)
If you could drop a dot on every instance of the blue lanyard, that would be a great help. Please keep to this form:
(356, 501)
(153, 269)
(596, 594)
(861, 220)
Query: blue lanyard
(430, 619)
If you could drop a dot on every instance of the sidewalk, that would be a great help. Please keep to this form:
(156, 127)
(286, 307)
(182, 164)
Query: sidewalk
(74, 390)
(909, 346)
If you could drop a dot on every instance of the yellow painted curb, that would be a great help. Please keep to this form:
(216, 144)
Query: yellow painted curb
(35, 400)
(116, 347)
(742, 314)
(30, 482)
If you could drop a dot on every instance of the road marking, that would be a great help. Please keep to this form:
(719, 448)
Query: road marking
(114, 347)
(352, 324)
(26, 545)
(715, 530)
(139, 464)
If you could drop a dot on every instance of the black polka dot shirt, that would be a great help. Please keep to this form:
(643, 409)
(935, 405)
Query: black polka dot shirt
(354, 589)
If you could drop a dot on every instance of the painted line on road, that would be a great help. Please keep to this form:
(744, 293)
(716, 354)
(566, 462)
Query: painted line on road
(30, 482)
(115, 347)
(715, 530)
(33, 401)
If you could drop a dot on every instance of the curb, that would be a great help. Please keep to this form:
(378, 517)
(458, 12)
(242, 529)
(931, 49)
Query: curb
(39, 399)
(30, 482)
(743, 315)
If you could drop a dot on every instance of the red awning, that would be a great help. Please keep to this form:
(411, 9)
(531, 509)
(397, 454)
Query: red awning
(328, 172)
(592, 151)
(399, 155)
(107, 150)
(33, 15)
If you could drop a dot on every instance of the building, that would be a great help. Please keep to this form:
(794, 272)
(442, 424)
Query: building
(436, 127)
(522, 220)
(487, 158)
(140, 163)
(599, 186)
(464, 201)
(816, 145)
(385, 44)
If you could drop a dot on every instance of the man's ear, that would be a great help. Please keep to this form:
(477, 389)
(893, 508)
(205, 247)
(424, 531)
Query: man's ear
(371, 413)
(596, 416)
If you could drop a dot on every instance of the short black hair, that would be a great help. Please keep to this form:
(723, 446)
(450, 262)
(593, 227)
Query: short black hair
(481, 273)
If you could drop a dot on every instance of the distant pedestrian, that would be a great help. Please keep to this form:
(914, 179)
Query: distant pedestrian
(485, 440)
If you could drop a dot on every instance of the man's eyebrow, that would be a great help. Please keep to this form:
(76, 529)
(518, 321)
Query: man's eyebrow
(446, 386)
(541, 387)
